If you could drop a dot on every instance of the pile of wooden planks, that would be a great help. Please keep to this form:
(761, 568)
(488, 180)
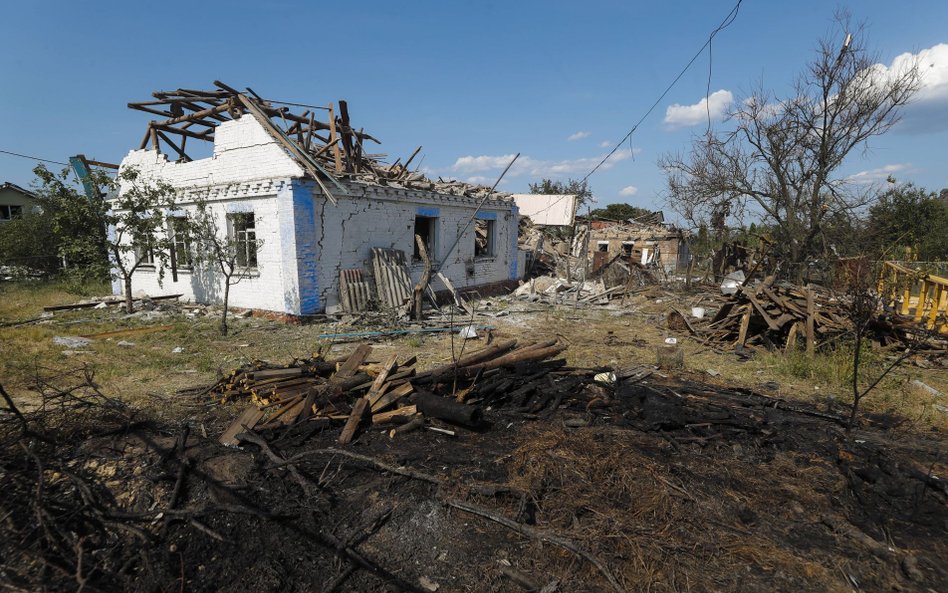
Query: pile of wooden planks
(778, 315)
(351, 391)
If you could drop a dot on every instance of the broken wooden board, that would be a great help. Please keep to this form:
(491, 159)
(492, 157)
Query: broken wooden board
(391, 397)
(352, 423)
(459, 300)
(384, 417)
(246, 421)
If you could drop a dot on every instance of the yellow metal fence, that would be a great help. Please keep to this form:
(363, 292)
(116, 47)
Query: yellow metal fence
(916, 294)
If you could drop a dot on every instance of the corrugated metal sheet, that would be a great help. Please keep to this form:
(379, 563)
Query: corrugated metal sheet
(354, 291)
(392, 278)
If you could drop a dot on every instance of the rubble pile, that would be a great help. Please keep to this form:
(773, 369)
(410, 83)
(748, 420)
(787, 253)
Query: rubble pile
(777, 315)
(351, 391)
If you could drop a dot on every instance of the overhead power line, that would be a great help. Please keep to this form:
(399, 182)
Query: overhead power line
(724, 24)
(33, 158)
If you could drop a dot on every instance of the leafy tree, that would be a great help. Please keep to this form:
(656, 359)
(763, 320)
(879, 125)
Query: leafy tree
(233, 255)
(908, 217)
(138, 227)
(581, 189)
(780, 158)
(76, 222)
(29, 243)
(620, 212)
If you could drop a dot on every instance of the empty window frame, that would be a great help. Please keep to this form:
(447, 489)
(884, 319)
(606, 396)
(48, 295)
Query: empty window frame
(602, 246)
(485, 238)
(244, 234)
(627, 249)
(10, 212)
(144, 250)
(426, 228)
(181, 241)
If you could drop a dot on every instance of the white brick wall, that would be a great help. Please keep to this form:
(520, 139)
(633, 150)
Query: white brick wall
(306, 239)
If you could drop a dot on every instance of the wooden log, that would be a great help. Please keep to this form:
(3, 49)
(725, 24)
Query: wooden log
(385, 417)
(413, 424)
(435, 406)
(348, 431)
(517, 356)
(481, 355)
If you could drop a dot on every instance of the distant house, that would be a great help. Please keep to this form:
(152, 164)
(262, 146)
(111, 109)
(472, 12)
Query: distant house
(14, 201)
(658, 245)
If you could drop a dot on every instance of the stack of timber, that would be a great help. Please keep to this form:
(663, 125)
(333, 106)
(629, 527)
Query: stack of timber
(322, 139)
(778, 316)
(350, 392)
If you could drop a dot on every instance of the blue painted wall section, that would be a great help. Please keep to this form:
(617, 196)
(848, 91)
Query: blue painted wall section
(304, 215)
(427, 211)
(481, 215)
(513, 229)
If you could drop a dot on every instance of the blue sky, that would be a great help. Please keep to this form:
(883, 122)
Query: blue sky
(471, 82)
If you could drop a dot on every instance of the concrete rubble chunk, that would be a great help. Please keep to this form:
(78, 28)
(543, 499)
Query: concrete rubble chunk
(72, 342)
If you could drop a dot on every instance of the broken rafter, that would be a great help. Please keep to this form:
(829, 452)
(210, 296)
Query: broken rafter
(326, 150)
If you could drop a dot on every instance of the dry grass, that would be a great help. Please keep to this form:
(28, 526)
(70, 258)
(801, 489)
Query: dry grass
(675, 523)
(596, 336)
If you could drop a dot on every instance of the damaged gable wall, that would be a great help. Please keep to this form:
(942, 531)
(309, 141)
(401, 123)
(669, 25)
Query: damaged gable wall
(306, 240)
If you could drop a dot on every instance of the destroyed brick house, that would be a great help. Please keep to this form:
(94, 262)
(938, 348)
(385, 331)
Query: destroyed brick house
(647, 242)
(312, 206)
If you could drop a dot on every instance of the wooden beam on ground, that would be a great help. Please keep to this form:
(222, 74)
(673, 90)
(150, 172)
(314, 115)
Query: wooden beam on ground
(358, 411)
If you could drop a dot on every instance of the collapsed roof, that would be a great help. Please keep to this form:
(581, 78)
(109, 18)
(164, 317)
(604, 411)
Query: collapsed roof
(329, 148)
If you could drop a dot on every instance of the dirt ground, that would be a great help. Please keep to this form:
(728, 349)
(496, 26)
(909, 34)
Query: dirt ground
(681, 481)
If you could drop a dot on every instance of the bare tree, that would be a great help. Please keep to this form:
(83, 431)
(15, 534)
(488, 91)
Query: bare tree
(232, 252)
(779, 159)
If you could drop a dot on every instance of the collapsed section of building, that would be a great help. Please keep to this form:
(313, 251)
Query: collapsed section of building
(647, 242)
(310, 205)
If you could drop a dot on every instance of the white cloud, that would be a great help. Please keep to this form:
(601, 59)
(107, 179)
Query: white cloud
(629, 190)
(578, 136)
(605, 144)
(529, 166)
(479, 179)
(680, 116)
(926, 112)
(879, 174)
